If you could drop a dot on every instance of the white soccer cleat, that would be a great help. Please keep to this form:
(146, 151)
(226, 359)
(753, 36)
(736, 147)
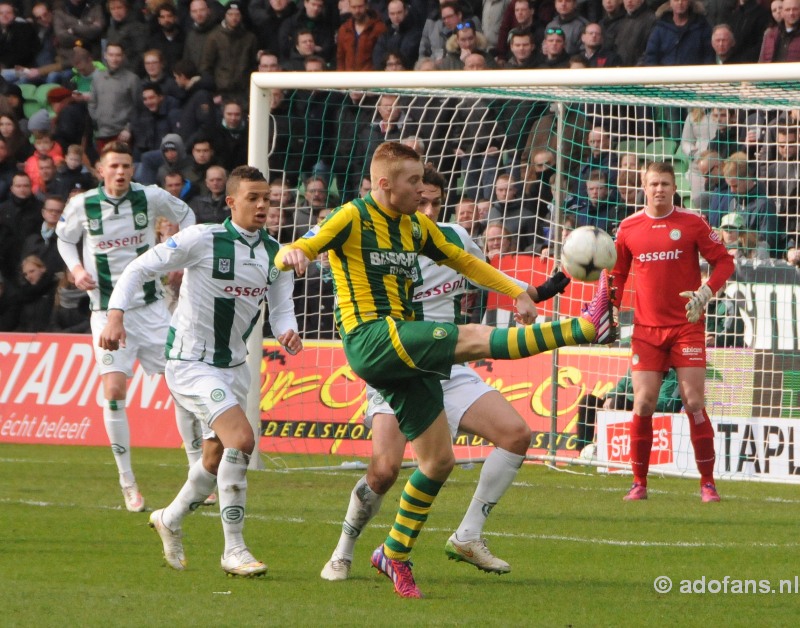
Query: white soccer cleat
(243, 563)
(475, 553)
(336, 569)
(171, 539)
(134, 501)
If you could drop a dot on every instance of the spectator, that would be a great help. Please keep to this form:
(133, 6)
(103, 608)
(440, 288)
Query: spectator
(393, 63)
(553, 54)
(9, 301)
(724, 45)
(750, 200)
(268, 17)
(125, 28)
(356, 38)
(72, 173)
(268, 61)
(197, 103)
(782, 174)
(516, 217)
(634, 31)
(211, 206)
(600, 157)
(19, 148)
(202, 22)
(48, 66)
(82, 73)
(401, 37)
(492, 16)
(179, 186)
(497, 240)
(312, 17)
(571, 23)
(705, 178)
(116, 93)
(229, 137)
(8, 168)
(467, 216)
(304, 48)
(43, 243)
(70, 307)
(466, 41)
(201, 158)
(173, 157)
(681, 35)
(594, 49)
(230, 55)
(522, 50)
(698, 129)
(78, 21)
(18, 43)
(168, 37)
(274, 222)
(781, 42)
(599, 208)
(317, 198)
(748, 21)
(37, 295)
(155, 73)
(44, 146)
(22, 213)
(776, 11)
(613, 15)
(153, 121)
(523, 22)
(437, 31)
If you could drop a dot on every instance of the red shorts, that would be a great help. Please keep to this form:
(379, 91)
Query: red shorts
(658, 348)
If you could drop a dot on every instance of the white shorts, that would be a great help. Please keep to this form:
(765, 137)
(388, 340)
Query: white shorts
(207, 391)
(146, 331)
(463, 389)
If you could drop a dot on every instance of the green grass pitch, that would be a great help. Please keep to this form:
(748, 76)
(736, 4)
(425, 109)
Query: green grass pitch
(72, 556)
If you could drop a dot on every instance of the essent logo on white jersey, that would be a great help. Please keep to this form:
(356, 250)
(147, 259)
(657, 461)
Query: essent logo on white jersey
(659, 256)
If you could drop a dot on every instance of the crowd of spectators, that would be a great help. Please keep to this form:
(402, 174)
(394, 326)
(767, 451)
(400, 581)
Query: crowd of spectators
(172, 79)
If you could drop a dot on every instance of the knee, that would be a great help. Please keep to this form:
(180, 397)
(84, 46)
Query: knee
(518, 439)
(439, 468)
(382, 474)
(115, 392)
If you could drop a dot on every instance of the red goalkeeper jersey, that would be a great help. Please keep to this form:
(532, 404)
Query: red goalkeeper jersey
(664, 254)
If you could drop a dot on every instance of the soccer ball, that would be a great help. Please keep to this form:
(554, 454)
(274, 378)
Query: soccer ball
(589, 452)
(586, 252)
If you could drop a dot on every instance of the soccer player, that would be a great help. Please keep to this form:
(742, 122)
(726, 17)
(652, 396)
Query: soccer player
(470, 404)
(229, 270)
(373, 245)
(117, 224)
(662, 244)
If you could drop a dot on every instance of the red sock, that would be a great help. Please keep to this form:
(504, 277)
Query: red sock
(641, 444)
(702, 434)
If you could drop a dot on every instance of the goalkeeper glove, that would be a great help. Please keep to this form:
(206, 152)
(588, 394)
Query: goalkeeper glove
(697, 302)
(555, 284)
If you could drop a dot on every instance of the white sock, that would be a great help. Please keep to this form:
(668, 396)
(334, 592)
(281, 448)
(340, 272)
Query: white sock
(199, 484)
(232, 491)
(498, 472)
(364, 505)
(191, 433)
(119, 435)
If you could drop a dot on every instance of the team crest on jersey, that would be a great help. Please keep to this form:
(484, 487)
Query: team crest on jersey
(367, 225)
(94, 224)
(439, 333)
(140, 220)
(217, 394)
(108, 359)
(224, 265)
(273, 273)
(415, 230)
(675, 234)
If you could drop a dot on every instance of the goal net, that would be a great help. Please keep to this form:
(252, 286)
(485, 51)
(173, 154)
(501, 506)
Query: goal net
(527, 156)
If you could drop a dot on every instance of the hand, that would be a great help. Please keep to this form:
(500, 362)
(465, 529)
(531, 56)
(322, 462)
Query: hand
(113, 335)
(697, 302)
(296, 259)
(83, 280)
(608, 403)
(555, 284)
(525, 311)
(124, 136)
(291, 341)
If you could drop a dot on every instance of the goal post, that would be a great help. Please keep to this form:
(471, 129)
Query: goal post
(569, 144)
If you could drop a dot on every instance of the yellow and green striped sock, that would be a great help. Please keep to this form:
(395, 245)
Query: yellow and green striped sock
(415, 504)
(513, 343)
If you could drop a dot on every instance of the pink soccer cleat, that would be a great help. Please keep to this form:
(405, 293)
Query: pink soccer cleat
(637, 492)
(600, 312)
(398, 571)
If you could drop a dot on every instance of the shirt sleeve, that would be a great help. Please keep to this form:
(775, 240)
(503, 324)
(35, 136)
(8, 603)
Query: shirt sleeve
(622, 267)
(172, 208)
(714, 252)
(70, 226)
(329, 235)
(281, 304)
(180, 251)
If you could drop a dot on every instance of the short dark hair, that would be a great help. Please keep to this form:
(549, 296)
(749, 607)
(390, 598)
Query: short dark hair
(242, 173)
(184, 67)
(431, 176)
(116, 146)
(155, 87)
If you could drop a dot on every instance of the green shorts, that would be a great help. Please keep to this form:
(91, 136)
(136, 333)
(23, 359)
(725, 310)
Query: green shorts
(405, 361)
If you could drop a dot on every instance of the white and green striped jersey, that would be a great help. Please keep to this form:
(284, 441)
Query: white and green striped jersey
(439, 288)
(227, 275)
(116, 231)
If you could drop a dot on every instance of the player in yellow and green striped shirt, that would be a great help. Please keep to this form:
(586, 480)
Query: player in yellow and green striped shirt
(372, 246)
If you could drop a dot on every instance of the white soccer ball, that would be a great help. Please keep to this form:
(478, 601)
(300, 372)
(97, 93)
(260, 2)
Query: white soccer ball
(586, 252)
(589, 452)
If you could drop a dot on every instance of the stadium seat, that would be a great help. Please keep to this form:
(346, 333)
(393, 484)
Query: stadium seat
(29, 107)
(660, 150)
(42, 91)
(631, 146)
(28, 90)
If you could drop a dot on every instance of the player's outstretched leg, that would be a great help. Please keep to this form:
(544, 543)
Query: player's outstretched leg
(600, 312)
(167, 521)
(115, 419)
(192, 436)
(364, 505)
(398, 571)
